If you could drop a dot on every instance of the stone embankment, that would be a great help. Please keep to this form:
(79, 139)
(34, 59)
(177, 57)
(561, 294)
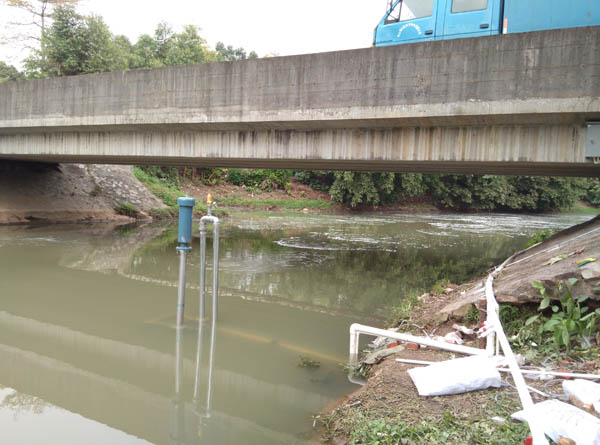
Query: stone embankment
(70, 193)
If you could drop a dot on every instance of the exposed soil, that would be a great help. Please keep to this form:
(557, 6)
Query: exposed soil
(296, 190)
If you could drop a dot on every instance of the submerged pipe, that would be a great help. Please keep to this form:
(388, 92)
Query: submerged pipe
(211, 362)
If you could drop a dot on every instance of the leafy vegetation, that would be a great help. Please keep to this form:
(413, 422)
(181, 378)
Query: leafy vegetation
(570, 322)
(540, 236)
(264, 179)
(402, 311)
(9, 72)
(307, 362)
(162, 188)
(457, 192)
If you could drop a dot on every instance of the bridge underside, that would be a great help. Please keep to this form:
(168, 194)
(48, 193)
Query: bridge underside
(494, 149)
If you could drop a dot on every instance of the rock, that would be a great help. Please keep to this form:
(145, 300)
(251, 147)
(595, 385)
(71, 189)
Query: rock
(459, 309)
(590, 271)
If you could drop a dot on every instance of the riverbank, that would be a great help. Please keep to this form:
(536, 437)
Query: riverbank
(387, 408)
(73, 193)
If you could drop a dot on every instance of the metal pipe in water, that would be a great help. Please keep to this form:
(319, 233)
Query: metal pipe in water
(202, 270)
(181, 288)
(198, 359)
(215, 286)
(213, 338)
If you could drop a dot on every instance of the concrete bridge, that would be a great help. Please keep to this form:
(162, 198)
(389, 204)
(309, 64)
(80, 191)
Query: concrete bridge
(509, 104)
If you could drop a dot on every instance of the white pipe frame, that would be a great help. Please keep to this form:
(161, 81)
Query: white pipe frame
(357, 329)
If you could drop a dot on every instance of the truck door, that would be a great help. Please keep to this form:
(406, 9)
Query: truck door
(407, 21)
(470, 18)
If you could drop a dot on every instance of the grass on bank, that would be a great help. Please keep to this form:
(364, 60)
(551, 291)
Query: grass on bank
(391, 426)
(280, 203)
(167, 192)
(584, 209)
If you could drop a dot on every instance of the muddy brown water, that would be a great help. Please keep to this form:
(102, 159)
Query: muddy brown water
(89, 352)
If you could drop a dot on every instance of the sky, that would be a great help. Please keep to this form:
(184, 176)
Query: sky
(281, 27)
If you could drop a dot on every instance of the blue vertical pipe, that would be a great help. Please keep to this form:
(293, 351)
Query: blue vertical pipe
(184, 238)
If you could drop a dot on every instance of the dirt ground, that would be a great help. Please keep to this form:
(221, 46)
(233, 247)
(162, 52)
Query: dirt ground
(223, 192)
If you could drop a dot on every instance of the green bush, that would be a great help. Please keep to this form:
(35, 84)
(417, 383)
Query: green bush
(356, 188)
(263, 179)
(541, 236)
(593, 193)
(168, 175)
(570, 322)
(315, 179)
(490, 192)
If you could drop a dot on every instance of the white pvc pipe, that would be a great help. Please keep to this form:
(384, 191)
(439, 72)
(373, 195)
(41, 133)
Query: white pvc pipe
(537, 432)
(524, 371)
(357, 329)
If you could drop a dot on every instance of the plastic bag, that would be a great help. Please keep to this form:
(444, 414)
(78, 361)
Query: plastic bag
(559, 419)
(583, 390)
(456, 376)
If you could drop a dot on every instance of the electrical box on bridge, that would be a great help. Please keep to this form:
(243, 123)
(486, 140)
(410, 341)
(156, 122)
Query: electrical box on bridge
(592, 149)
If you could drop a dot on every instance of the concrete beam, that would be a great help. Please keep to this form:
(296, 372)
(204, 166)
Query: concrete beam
(520, 149)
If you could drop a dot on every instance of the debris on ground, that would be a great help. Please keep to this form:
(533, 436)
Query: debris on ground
(456, 376)
(559, 419)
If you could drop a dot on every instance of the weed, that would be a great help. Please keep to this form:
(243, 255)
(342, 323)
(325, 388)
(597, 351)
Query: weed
(282, 203)
(473, 314)
(365, 426)
(164, 188)
(127, 209)
(540, 237)
(403, 311)
(570, 322)
(440, 287)
(356, 369)
(308, 363)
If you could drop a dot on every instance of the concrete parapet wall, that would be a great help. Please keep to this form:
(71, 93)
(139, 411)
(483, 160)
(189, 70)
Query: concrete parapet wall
(445, 82)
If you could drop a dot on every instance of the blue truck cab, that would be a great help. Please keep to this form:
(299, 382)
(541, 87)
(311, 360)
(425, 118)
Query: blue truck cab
(408, 21)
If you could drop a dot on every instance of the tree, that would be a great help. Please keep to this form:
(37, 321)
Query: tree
(229, 53)
(186, 48)
(41, 12)
(77, 44)
(9, 72)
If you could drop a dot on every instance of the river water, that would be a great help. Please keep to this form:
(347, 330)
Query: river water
(89, 352)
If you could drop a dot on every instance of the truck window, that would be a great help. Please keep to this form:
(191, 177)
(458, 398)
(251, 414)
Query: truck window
(468, 5)
(410, 9)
